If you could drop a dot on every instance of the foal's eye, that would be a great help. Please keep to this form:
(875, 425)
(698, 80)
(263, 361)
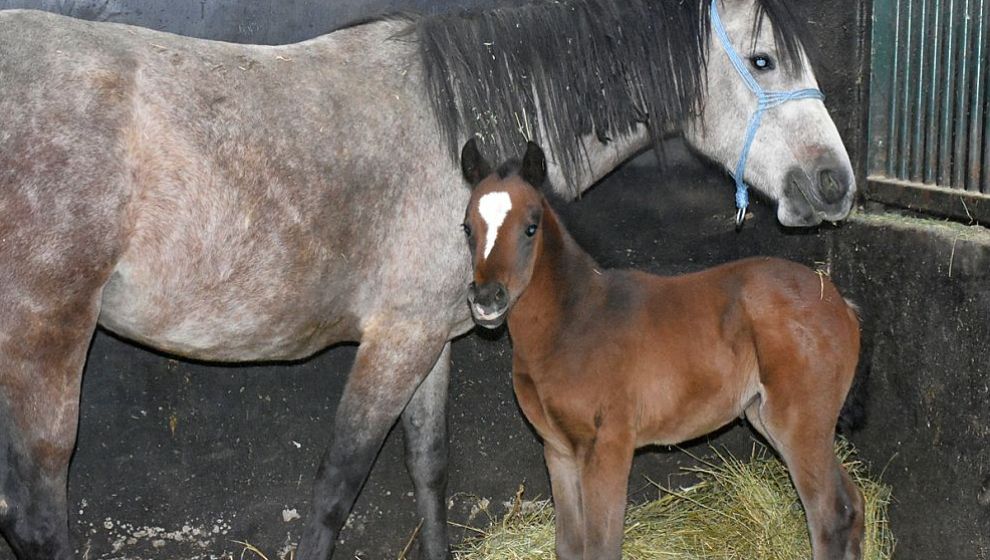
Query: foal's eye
(531, 230)
(762, 62)
(467, 229)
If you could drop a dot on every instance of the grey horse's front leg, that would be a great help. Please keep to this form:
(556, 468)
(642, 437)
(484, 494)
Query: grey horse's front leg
(43, 345)
(390, 364)
(425, 424)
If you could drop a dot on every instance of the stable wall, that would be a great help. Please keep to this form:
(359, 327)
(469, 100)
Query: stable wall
(269, 22)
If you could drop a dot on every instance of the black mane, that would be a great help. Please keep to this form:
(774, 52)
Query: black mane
(596, 66)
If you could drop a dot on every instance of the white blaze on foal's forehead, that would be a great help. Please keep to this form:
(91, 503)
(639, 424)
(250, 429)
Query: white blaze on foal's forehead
(493, 208)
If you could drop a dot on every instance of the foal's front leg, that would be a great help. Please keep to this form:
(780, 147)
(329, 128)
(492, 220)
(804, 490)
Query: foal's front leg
(565, 483)
(604, 483)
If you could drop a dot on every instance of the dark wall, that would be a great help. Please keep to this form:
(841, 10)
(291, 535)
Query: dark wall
(229, 452)
(240, 21)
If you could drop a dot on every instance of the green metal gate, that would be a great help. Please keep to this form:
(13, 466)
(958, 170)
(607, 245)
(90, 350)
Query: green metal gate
(929, 107)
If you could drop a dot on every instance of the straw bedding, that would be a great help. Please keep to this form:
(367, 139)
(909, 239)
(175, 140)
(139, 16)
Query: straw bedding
(738, 509)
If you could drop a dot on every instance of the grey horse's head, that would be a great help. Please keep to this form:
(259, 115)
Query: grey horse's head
(797, 157)
(616, 75)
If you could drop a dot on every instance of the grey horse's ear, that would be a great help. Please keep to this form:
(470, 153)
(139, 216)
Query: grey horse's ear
(473, 164)
(534, 165)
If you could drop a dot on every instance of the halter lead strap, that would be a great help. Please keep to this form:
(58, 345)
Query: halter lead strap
(764, 100)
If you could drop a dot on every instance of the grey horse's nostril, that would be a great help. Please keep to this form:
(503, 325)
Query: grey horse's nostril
(832, 190)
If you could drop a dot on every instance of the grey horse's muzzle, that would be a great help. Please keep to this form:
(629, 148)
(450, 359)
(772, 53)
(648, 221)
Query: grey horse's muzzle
(824, 194)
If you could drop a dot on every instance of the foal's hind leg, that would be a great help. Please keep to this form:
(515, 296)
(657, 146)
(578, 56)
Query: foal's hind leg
(390, 364)
(42, 352)
(425, 424)
(803, 433)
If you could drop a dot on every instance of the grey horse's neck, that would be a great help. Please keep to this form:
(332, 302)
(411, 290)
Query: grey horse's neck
(601, 158)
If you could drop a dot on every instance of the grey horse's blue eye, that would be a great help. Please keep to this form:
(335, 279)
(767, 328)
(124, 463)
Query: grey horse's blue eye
(531, 230)
(762, 62)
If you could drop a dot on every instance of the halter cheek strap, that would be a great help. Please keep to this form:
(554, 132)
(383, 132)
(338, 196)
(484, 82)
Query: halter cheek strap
(765, 100)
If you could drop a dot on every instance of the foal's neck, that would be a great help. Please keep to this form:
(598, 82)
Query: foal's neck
(565, 279)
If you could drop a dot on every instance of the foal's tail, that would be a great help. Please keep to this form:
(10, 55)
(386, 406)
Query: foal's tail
(853, 415)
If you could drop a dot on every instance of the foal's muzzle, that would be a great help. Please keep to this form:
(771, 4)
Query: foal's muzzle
(489, 303)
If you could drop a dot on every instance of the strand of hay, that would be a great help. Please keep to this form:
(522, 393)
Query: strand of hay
(739, 510)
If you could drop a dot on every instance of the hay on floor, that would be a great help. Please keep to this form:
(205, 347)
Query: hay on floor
(739, 510)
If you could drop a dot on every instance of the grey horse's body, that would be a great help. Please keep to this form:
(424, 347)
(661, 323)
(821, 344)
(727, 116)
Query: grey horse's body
(218, 201)
(236, 203)
(212, 235)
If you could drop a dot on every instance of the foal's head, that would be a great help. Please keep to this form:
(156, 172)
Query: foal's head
(502, 225)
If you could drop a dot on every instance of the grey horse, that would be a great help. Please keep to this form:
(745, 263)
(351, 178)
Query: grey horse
(241, 203)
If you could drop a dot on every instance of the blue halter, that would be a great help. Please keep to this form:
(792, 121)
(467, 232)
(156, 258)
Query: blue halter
(765, 100)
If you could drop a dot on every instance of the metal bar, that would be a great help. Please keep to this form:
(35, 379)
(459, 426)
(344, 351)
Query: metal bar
(985, 187)
(893, 153)
(985, 23)
(945, 124)
(905, 133)
(962, 101)
(934, 96)
(978, 99)
(985, 183)
(965, 206)
(918, 128)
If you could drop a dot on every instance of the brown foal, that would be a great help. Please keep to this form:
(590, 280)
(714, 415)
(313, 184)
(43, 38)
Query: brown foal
(606, 361)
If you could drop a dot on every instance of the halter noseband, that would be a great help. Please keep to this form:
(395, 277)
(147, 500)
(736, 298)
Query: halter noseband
(765, 100)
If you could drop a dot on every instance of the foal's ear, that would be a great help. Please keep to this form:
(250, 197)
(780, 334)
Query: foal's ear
(534, 165)
(473, 164)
